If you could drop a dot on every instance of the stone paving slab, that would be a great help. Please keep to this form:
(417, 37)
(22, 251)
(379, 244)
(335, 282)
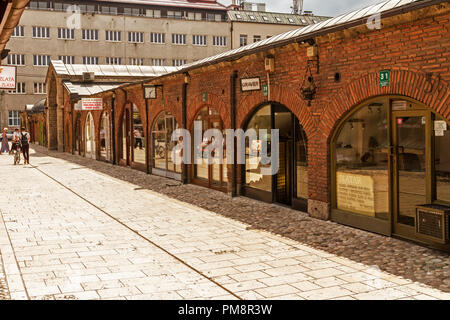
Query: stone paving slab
(400, 258)
(99, 253)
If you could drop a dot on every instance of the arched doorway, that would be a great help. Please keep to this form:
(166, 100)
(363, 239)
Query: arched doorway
(133, 140)
(212, 175)
(290, 185)
(162, 146)
(90, 137)
(390, 156)
(105, 138)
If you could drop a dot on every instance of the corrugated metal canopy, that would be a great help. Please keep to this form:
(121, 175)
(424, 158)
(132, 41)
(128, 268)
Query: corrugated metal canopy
(111, 70)
(88, 89)
(273, 17)
(304, 32)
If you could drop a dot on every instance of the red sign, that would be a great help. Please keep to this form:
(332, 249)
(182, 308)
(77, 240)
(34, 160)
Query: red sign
(90, 104)
(399, 121)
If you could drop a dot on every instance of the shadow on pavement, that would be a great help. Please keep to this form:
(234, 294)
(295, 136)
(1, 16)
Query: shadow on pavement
(394, 256)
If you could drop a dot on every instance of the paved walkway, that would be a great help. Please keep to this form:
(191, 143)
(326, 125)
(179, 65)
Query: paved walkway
(81, 234)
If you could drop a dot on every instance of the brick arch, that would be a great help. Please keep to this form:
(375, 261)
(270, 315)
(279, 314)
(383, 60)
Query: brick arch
(435, 94)
(286, 96)
(195, 104)
(156, 110)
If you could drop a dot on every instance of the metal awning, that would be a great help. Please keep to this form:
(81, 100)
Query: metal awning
(88, 89)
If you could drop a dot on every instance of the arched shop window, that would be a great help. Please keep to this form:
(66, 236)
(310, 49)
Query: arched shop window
(125, 132)
(163, 128)
(211, 175)
(90, 136)
(291, 182)
(362, 176)
(105, 137)
(139, 139)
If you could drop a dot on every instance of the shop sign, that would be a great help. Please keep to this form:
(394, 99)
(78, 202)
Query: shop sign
(439, 128)
(250, 84)
(78, 106)
(91, 104)
(384, 78)
(7, 77)
(265, 90)
(356, 193)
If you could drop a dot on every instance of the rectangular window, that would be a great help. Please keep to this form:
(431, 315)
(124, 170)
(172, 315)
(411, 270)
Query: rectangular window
(20, 88)
(211, 17)
(158, 62)
(40, 88)
(67, 59)
(218, 17)
(199, 40)
(108, 10)
(113, 60)
(66, 34)
(15, 59)
(256, 38)
(40, 5)
(219, 41)
(243, 40)
(198, 16)
(157, 38)
(178, 62)
(135, 37)
(136, 61)
(114, 36)
(41, 32)
(18, 32)
(89, 34)
(90, 60)
(174, 14)
(178, 38)
(191, 16)
(13, 118)
(41, 60)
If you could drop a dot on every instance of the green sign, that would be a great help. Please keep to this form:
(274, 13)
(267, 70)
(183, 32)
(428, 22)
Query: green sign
(265, 90)
(384, 78)
(204, 96)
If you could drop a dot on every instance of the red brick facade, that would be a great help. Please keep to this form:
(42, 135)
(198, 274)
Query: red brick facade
(415, 47)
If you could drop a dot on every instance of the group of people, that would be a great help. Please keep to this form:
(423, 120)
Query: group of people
(20, 142)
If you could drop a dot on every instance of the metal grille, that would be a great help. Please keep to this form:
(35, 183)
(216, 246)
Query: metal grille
(433, 224)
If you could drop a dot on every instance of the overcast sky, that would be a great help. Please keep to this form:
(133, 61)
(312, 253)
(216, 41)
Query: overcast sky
(318, 7)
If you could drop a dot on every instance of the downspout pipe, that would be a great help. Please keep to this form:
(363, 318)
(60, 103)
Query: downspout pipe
(184, 176)
(113, 128)
(147, 137)
(233, 78)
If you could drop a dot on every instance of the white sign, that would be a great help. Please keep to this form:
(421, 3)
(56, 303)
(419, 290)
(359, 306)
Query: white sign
(7, 77)
(440, 125)
(251, 84)
(89, 104)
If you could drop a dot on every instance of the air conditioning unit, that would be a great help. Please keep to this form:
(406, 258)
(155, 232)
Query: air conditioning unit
(88, 76)
(432, 222)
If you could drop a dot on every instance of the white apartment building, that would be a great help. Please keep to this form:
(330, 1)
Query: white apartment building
(120, 32)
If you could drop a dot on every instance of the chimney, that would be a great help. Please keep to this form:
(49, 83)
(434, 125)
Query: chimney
(261, 7)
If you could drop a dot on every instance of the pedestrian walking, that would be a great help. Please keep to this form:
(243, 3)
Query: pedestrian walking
(5, 144)
(15, 141)
(25, 142)
(138, 139)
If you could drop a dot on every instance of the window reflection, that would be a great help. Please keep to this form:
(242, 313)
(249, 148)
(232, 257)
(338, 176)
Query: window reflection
(139, 142)
(163, 146)
(253, 175)
(362, 162)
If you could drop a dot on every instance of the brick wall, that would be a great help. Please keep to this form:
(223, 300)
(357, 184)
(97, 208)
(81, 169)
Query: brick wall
(415, 48)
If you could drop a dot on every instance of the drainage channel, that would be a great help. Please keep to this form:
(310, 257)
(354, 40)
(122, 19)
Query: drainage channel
(140, 235)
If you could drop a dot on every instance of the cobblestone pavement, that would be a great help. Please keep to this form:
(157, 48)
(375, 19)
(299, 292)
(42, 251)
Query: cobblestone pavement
(88, 235)
(4, 292)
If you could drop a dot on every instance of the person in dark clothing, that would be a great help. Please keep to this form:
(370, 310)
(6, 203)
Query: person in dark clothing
(25, 141)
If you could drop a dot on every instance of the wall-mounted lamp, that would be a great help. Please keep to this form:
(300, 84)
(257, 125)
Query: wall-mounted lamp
(187, 78)
(309, 90)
